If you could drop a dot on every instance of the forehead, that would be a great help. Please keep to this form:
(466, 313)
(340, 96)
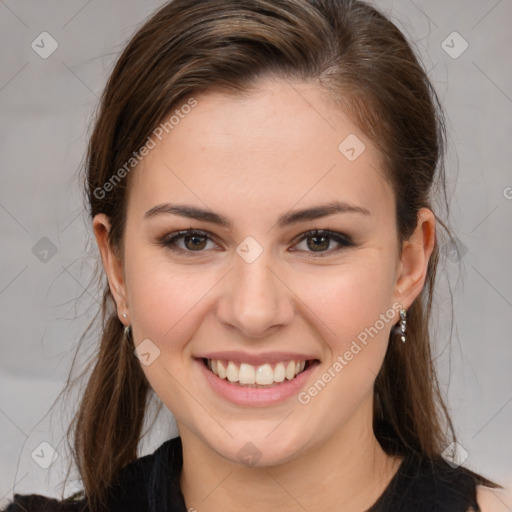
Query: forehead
(282, 143)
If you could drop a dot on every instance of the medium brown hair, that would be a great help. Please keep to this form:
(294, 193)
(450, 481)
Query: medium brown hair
(363, 60)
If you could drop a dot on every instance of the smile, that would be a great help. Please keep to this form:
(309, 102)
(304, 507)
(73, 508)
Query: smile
(263, 375)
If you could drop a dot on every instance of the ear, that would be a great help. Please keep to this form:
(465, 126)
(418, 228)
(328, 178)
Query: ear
(416, 252)
(112, 263)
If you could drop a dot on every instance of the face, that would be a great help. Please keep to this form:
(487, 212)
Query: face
(222, 263)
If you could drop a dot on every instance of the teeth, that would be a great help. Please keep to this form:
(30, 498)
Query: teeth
(232, 372)
(264, 375)
(246, 374)
(249, 375)
(221, 371)
(290, 370)
(279, 372)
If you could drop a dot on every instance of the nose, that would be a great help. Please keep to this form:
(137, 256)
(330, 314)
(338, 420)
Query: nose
(255, 299)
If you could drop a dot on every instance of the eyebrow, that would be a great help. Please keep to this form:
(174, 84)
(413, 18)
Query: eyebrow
(287, 219)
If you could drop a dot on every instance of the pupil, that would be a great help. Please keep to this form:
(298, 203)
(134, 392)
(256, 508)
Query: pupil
(196, 244)
(324, 244)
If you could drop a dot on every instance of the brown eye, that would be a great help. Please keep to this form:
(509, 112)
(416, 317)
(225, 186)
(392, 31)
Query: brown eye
(187, 242)
(195, 242)
(319, 242)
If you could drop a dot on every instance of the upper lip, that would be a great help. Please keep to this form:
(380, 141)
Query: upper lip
(257, 359)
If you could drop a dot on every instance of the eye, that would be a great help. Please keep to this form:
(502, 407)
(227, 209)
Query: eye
(319, 241)
(196, 241)
(186, 242)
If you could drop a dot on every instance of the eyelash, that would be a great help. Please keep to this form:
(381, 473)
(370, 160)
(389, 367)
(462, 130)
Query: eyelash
(168, 241)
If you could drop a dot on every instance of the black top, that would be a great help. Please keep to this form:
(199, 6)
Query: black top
(151, 484)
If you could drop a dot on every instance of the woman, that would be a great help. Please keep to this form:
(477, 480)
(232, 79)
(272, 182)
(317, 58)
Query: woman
(259, 182)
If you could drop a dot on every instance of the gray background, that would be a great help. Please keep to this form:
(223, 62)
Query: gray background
(46, 301)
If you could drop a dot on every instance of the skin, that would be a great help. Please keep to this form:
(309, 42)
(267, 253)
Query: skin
(251, 159)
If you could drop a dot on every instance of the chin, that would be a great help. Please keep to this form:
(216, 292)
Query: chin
(260, 447)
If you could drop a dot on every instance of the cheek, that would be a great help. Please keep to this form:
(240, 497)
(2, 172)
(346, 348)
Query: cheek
(167, 301)
(356, 314)
(350, 297)
(164, 300)
(167, 307)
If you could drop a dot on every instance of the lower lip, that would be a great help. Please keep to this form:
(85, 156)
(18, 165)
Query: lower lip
(240, 395)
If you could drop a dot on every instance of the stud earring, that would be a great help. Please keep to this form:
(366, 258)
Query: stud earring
(403, 325)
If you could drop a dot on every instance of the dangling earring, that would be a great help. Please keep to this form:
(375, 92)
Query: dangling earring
(403, 324)
(127, 329)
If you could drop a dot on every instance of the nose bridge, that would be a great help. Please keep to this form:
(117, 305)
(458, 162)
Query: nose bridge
(254, 299)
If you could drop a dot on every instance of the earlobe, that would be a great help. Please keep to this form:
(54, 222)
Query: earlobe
(112, 263)
(416, 252)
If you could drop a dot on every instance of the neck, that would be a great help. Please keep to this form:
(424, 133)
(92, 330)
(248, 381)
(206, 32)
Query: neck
(349, 468)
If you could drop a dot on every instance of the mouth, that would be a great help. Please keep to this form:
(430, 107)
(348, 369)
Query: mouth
(266, 375)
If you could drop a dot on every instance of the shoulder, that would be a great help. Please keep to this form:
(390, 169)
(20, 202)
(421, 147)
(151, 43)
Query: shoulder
(489, 500)
(127, 490)
(151, 481)
(40, 503)
(131, 489)
(424, 484)
(466, 490)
